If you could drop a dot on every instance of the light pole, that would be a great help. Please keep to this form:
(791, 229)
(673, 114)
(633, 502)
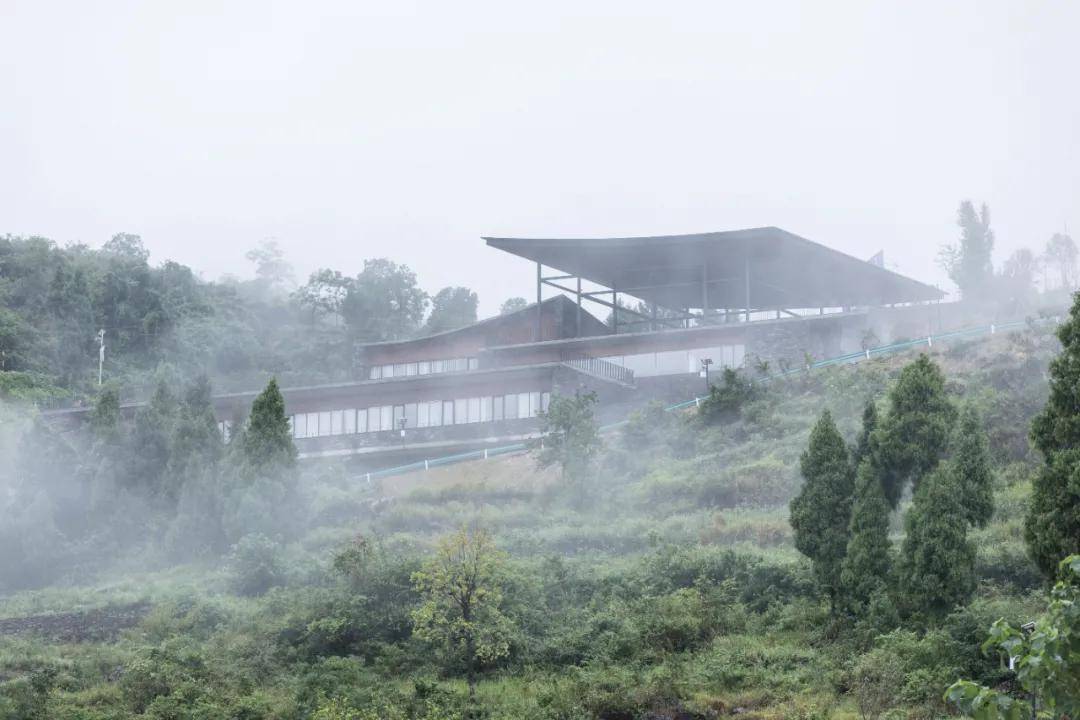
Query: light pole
(101, 354)
(705, 363)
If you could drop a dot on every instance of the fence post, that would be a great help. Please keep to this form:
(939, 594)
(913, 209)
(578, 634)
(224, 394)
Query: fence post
(867, 353)
(425, 465)
(369, 478)
(485, 454)
(929, 341)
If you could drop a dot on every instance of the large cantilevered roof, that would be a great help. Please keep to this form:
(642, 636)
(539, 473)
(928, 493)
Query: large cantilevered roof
(783, 269)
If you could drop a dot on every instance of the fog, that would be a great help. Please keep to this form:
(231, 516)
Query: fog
(350, 130)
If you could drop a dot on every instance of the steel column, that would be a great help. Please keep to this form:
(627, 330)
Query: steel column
(539, 309)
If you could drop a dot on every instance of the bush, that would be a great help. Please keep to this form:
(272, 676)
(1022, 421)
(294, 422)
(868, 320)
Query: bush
(255, 565)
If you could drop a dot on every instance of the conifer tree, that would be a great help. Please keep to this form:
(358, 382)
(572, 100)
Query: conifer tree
(267, 441)
(937, 562)
(862, 444)
(867, 563)
(970, 464)
(822, 510)
(915, 433)
(1052, 526)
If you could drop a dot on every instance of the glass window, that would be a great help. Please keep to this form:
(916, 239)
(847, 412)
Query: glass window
(423, 367)
(337, 419)
(485, 409)
(410, 369)
(461, 411)
(373, 419)
(511, 407)
(435, 408)
(292, 427)
(375, 372)
(474, 409)
(448, 412)
(386, 417)
(423, 414)
(313, 425)
(399, 370)
(436, 366)
(545, 400)
(350, 421)
(534, 404)
(387, 371)
(361, 421)
(523, 405)
(399, 415)
(474, 363)
(324, 423)
(410, 415)
(497, 410)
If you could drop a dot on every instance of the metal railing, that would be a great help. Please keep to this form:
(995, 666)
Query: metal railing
(603, 369)
(853, 357)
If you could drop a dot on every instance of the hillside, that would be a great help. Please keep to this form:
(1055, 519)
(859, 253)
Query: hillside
(667, 586)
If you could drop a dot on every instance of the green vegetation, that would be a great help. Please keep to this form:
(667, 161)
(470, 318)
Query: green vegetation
(837, 543)
(820, 513)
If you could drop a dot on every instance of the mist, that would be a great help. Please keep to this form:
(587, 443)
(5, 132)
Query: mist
(343, 128)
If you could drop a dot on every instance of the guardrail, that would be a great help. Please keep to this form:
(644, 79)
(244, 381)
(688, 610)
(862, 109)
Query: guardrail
(929, 340)
(603, 369)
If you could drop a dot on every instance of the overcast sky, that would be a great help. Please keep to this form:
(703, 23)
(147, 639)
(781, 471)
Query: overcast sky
(349, 130)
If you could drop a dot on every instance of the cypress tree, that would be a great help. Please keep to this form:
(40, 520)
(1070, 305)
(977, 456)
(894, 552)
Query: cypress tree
(821, 512)
(867, 562)
(862, 444)
(915, 432)
(937, 562)
(970, 464)
(267, 441)
(1052, 526)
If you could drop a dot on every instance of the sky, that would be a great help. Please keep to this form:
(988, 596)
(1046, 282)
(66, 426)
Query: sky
(408, 130)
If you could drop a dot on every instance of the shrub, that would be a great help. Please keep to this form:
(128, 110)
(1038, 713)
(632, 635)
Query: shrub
(255, 565)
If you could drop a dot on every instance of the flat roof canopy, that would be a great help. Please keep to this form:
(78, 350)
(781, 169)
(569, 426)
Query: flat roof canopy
(770, 267)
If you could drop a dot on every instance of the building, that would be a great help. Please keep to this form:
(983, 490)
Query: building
(725, 297)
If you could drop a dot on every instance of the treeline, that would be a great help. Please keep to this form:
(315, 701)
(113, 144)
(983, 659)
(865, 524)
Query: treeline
(54, 301)
(165, 487)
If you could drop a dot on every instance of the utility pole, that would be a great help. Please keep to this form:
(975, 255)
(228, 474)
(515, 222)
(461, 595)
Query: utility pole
(101, 354)
(705, 363)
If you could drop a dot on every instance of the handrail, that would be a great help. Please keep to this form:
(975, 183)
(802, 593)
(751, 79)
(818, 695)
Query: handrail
(601, 368)
(929, 340)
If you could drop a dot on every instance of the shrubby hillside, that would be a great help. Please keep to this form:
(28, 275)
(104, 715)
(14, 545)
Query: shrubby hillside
(659, 578)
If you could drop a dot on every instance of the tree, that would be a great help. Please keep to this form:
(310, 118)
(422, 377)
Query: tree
(1017, 280)
(821, 512)
(970, 463)
(384, 303)
(1061, 254)
(915, 433)
(937, 562)
(452, 307)
(1046, 659)
(867, 564)
(267, 440)
(969, 264)
(1052, 526)
(513, 305)
(271, 268)
(324, 292)
(462, 592)
(128, 247)
(861, 450)
(569, 435)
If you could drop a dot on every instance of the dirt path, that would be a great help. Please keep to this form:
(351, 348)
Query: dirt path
(92, 625)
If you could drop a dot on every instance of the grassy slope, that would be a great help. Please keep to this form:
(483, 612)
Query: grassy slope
(695, 486)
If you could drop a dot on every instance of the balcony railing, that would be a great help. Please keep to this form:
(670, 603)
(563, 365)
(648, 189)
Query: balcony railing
(603, 369)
